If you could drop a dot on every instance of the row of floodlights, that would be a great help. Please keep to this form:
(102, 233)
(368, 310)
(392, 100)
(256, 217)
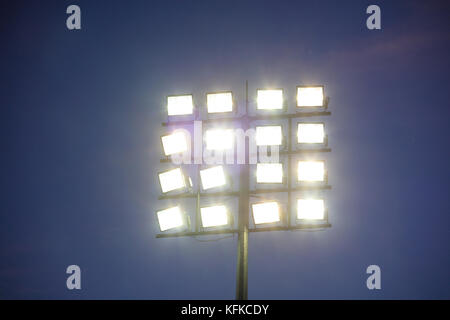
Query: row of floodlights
(262, 213)
(267, 99)
(223, 139)
(214, 177)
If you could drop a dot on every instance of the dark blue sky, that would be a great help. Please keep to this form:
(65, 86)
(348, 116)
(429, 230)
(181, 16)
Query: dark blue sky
(80, 127)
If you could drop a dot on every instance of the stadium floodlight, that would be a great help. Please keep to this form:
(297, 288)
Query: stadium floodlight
(310, 209)
(214, 216)
(172, 180)
(269, 99)
(311, 171)
(180, 105)
(170, 218)
(266, 212)
(219, 102)
(269, 173)
(212, 177)
(310, 96)
(174, 143)
(219, 139)
(311, 133)
(268, 136)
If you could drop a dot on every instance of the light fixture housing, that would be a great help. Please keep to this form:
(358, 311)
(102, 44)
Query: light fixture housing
(171, 180)
(219, 139)
(266, 212)
(219, 102)
(269, 135)
(311, 209)
(269, 99)
(311, 171)
(310, 96)
(311, 133)
(269, 173)
(178, 105)
(212, 177)
(214, 216)
(176, 142)
(170, 218)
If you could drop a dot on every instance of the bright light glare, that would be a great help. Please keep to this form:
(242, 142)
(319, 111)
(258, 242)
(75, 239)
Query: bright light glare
(174, 143)
(270, 99)
(180, 105)
(219, 102)
(311, 171)
(219, 139)
(309, 96)
(214, 216)
(310, 209)
(212, 177)
(267, 212)
(310, 133)
(269, 173)
(171, 180)
(268, 136)
(170, 218)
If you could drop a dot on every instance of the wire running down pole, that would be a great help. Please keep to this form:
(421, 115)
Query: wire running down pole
(242, 249)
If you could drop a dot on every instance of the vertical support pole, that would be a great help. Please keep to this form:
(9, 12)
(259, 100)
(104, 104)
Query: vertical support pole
(289, 173)
(197, 212)
(242, 249)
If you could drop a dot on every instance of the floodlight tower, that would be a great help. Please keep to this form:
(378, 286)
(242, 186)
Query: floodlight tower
(311, 173)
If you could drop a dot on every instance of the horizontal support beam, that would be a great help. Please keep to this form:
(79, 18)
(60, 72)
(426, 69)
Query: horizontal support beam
(282, 152)
(294, 189)
(194, 234)
(289, 115)
(231, 231)
(236, 194)
(251, 118)
(203, 194)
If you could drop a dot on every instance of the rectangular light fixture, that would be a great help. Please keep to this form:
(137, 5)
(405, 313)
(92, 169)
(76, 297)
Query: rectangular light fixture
(172, 180)
(219, 102)
(269, 136)
(310, 209)
(310, 96)
(311, 133)
(214, 216)
(174, 143)
(266, 212)
(269, 173)
(170, 218)
(219, 139)
(180, 105)
(212, 177)
(269, 99)
(311, 171)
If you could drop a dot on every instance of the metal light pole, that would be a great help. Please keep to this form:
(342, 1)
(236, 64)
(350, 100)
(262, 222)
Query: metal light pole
(242, 249)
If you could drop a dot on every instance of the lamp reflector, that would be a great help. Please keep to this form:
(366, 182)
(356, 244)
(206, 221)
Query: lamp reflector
(180, 105)
(268, 136)
(212, 177)
(269, 173)
(266, 212)
(310, 96)
(171, 180)
(270, 99)
(170, 218)
(311, 171)
(214, 216)
(310, 209)
(174, 143)
(311, 133)
(219, 102)
(219, 139)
